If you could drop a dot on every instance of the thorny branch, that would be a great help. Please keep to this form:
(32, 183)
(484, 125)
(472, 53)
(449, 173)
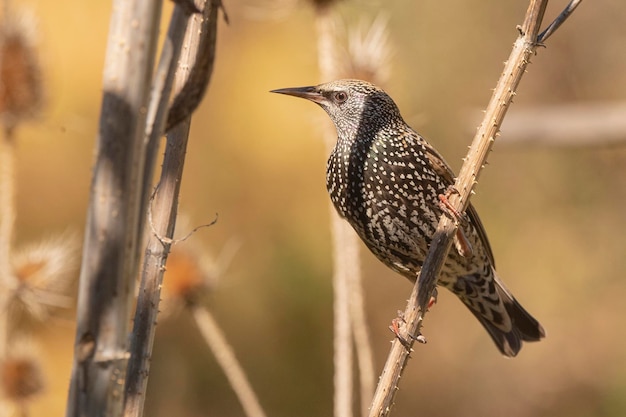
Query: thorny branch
(523, 49)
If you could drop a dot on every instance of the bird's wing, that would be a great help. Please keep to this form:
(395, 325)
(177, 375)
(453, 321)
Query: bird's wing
(443, 169)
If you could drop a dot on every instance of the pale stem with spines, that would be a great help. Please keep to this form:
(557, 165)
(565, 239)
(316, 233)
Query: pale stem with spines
(523, 49)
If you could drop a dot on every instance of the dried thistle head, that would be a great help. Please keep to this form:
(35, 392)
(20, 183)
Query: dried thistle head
(370, 52)
(42, 275)
(188, 277)
(191, 274)
(20, 72)
(21, 377)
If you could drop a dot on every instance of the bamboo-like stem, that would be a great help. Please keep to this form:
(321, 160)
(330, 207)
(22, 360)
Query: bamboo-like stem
(345, 242)
(223, 352)
(200, 41)
(110, 255)
(523, 49)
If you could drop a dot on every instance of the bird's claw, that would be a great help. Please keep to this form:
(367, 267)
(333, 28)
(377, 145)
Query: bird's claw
(462, 244)
(395, 328)
(433, 300)
(446, 206)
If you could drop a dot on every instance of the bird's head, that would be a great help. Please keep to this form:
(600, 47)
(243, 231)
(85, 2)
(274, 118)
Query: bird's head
(352, 105)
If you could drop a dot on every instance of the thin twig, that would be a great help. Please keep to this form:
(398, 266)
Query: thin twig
(567, 125)
(223, 352)
(167, 240)
(110, 255)
(523, 49)
(552, 27)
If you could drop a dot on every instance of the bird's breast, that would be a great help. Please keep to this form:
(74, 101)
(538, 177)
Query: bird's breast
(383, 176)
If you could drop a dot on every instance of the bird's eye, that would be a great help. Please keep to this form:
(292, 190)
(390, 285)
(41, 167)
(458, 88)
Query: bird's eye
(340, 96)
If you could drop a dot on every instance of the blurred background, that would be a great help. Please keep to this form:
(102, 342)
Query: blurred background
(554, 214)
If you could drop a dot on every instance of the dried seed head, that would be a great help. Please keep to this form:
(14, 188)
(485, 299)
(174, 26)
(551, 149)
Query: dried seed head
(370, 52)
(366, 55)
(21, 377)
(20, 73)
(43, 273)
(188, 277)
(191, 274)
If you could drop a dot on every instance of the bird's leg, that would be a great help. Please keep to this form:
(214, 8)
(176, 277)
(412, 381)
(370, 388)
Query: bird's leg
(447, 207)
(461, 242)
(398, 321)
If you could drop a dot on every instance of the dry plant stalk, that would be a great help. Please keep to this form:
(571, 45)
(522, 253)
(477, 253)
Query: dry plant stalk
(523, 49)
(188, 280)
(369, 59)
(110, 252)
(7, 222)
(567, 125)
(200, 40)
(20, 99)
(366, 57)
(160, 99)
(346, 258)
(215, 339)
(33, 278)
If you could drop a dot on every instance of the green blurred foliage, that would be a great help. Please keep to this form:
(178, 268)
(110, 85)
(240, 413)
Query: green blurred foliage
(555, 216)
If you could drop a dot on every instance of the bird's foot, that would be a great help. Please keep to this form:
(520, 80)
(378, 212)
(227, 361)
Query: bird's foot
(433, 300)
(395, 328)
(446, 206)
(461, 242)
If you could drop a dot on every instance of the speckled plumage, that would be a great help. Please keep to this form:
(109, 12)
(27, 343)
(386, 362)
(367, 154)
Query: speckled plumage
(385, 180)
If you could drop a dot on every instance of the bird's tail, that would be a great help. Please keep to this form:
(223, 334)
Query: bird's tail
(523, 326)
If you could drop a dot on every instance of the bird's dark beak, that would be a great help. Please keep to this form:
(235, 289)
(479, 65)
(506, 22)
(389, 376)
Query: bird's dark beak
(310, 93)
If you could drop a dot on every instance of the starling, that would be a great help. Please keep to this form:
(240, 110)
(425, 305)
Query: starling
(386, 181)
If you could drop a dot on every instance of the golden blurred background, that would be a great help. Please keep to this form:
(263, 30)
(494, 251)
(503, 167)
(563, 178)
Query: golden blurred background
(555, 215)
